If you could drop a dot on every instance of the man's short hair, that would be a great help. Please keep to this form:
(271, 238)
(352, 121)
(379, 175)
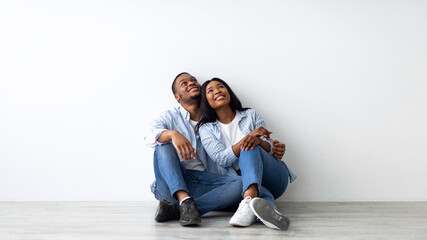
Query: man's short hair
(173, 83)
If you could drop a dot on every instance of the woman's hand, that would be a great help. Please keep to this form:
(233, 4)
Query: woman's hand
(249, 142)
(261, 131)
(279, 149)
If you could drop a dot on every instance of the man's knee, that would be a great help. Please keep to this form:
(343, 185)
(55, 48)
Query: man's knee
(164, 152)
(165, 156)
(167, 148)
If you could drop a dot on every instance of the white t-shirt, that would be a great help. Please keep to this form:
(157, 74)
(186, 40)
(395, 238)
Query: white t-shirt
(231, 133)
(194, 164)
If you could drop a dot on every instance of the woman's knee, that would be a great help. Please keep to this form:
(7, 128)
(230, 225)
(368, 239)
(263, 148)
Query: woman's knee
(251, 152)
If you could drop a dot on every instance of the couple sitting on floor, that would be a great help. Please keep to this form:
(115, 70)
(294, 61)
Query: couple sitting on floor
(211, 153)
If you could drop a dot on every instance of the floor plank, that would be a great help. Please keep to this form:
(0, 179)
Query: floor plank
(134, 220)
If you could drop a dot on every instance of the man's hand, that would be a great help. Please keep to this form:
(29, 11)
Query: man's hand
(183, 146)
(249, 142)
(261, 131)
(279, 149)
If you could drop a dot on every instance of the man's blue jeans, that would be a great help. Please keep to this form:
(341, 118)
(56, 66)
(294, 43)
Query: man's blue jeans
(210, 191)
(270, 174)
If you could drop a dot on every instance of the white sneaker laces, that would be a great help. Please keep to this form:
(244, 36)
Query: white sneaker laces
(242, 203)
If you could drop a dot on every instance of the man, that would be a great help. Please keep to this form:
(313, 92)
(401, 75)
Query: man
(187, 183)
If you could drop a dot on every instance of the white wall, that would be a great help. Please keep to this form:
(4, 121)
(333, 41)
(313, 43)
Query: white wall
(343, 83)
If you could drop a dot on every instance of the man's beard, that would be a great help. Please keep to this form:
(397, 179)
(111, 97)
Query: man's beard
(195, 97)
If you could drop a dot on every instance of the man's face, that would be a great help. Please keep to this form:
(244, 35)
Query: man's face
(187, 88)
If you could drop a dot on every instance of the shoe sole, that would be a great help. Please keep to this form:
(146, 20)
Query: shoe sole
(246, 224)
(190, 222)
(268, 215)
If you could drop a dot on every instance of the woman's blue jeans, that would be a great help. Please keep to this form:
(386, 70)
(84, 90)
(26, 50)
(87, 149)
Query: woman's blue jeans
(209, 190)
(269, 173)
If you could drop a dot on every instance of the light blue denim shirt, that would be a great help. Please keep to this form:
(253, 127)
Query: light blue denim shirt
(210, 134)
(179, 119)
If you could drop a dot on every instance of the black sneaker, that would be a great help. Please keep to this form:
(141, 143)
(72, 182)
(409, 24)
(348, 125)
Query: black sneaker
(189, 213)
(268, 215)
(166, 211)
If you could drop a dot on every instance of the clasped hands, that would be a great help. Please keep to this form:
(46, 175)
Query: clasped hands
(187, 152)
(252, 140)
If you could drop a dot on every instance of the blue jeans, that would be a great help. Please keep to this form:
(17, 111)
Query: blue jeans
(209, 190)
(269, 173)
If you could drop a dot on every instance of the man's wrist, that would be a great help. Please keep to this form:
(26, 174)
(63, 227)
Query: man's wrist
(173, 134)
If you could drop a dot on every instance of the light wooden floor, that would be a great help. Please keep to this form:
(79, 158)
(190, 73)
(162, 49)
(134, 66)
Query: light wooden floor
(134, 220)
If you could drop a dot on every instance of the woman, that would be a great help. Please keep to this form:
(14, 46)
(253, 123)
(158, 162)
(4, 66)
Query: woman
(236, 138)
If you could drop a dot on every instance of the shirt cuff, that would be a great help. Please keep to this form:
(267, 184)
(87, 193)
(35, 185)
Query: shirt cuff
(151, 139)
(229, 154)
(269, 142)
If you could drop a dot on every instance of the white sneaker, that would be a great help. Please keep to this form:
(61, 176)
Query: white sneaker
(268, 215)
(244, 216)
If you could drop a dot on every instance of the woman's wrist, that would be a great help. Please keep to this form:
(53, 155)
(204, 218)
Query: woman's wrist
(254, 134)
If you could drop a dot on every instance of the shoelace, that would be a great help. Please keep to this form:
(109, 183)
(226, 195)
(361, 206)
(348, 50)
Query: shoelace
(243, 203)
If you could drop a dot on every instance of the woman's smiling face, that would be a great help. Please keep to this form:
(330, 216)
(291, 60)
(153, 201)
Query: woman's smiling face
(217, 95)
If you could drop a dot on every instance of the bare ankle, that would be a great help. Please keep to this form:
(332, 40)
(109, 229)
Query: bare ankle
(181, 194)
(251, 191)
